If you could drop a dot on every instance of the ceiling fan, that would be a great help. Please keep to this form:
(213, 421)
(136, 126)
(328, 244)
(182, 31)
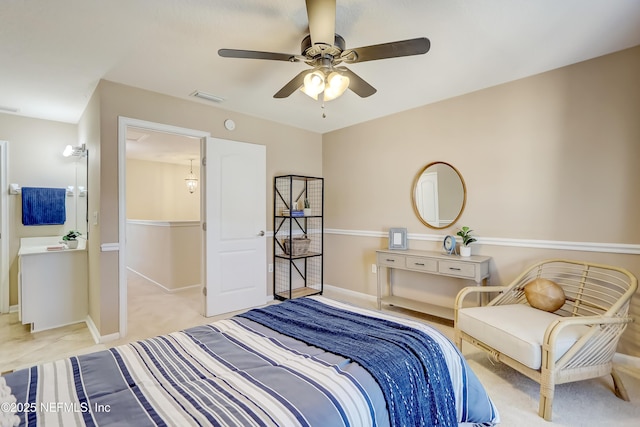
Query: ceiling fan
(325, 51)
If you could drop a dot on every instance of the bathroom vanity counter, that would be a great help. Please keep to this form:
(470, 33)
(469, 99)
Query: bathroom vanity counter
(52, 284)
(39, 245)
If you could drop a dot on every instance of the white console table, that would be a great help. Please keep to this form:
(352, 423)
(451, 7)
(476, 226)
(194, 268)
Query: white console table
(474, 268)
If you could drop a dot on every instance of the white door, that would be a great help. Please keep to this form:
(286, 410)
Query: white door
(234, 205)
(427, 195)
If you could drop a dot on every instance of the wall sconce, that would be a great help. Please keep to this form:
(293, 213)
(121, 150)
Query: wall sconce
(191, 180)
(79, 151)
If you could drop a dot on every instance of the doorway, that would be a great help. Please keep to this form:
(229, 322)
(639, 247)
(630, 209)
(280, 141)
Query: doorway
(233, 213)
(163, 229)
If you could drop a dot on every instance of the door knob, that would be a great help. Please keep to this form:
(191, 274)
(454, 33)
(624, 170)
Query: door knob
(261, 233)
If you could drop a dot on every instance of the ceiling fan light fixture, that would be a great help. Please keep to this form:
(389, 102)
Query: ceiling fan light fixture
(313, 83)
(336, 85)
(325, 50)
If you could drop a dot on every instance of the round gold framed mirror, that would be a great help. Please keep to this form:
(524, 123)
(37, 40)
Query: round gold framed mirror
(439, 195)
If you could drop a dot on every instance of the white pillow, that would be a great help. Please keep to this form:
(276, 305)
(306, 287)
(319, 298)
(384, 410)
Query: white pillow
(7, 418)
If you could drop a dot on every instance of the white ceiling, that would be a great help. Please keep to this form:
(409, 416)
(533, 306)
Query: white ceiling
(153, 146)
(53, 53)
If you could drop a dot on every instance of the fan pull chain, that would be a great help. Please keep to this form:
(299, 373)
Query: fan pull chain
(324, 115)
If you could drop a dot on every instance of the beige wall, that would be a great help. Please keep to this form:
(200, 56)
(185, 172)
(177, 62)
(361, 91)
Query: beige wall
(169, 253)
(289, 150)
(551, 157)
(35, 160)
(157, 191)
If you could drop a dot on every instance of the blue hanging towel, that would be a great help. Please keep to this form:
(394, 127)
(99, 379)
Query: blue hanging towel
(43, 206)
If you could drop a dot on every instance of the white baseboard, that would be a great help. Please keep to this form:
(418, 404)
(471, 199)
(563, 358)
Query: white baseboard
(349, 293)
(13, 308)
(164, 288)
(97, 338)
(93, 330)
(626, 360)
(339, 291)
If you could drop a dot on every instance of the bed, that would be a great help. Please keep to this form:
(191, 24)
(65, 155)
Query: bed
(303, 362)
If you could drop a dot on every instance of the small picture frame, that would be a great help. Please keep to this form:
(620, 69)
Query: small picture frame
(398, 238)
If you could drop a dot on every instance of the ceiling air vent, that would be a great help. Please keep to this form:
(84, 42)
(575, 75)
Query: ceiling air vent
(207, 96)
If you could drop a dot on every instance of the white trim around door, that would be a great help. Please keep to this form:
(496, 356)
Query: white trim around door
(4, 227)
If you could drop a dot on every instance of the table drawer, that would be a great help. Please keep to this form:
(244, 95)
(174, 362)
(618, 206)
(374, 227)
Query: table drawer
(422, 264)
(391, 260)
(460, 269)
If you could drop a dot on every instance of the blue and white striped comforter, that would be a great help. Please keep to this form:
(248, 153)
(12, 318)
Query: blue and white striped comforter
(234, 372)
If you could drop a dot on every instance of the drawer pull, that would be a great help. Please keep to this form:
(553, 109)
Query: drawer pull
(391, 260)
(419, 263)
(455, 268)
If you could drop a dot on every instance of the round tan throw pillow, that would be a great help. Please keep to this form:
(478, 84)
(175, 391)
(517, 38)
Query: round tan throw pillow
(544, 295)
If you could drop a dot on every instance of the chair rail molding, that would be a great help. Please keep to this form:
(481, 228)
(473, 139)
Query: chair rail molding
(109, 247)
(617, 248)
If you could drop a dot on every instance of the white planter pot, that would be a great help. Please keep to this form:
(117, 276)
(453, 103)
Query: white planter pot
(72, 244)
(307, 211)
(465, 251)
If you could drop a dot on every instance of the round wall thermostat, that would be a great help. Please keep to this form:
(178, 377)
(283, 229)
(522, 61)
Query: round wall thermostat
(229, 124)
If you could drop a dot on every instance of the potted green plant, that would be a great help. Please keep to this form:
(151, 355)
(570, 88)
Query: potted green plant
(307, 208)
(71, 239)
(467, 239)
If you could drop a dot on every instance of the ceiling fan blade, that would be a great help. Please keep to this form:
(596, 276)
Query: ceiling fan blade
(322, 21)
(254, 54)
(293, 85)
(387, 50)
(357, 84)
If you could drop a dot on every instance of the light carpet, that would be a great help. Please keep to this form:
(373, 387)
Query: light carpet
(583, 403)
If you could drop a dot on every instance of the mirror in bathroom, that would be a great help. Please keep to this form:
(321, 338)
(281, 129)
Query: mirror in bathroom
(79, 157)
(82, 197)
(439, 195)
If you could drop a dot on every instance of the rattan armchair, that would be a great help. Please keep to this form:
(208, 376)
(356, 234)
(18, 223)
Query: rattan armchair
(576, 342)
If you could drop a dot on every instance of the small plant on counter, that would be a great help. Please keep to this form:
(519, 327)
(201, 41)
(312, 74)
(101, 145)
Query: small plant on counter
(467, 238)
(71, 235)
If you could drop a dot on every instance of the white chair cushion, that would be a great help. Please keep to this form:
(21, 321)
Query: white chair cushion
(516, 330)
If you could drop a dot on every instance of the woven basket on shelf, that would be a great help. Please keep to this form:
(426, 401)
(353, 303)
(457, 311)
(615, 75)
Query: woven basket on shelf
(300, 246)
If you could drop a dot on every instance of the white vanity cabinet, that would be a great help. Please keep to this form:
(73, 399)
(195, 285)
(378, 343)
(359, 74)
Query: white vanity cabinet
(52, 284)
(473, 268)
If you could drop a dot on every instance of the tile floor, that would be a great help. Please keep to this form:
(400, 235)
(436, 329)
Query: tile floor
(151, 312)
